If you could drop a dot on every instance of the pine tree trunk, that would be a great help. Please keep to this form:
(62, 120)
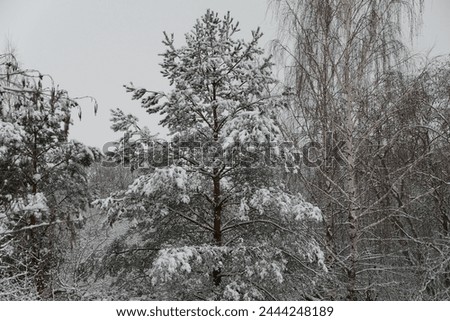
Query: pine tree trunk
(217, 278)
(217, 210)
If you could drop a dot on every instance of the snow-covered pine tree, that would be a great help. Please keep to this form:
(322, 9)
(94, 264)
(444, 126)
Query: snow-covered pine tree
(210, 217)
(42, 180)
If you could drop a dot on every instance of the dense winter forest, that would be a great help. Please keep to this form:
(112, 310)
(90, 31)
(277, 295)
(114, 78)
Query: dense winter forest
(330, 182)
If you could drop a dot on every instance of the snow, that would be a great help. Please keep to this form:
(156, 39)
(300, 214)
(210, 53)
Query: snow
(162, 179)
(249, 128)
(35, 203)
(315, 254)
(184, 198)
(231, 292)
(171, 261)
(288, 205)
(10, 135)
(243, 210)
(265, 269)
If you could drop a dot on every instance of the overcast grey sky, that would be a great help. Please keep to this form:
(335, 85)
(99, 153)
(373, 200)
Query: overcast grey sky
(93, 47)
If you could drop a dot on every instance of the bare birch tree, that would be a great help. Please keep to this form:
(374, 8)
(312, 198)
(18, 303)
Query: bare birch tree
(338, 55)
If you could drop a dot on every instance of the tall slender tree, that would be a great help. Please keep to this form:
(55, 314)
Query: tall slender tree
(42, 177)
(213, 220)
(340, 54)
